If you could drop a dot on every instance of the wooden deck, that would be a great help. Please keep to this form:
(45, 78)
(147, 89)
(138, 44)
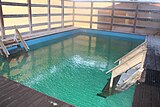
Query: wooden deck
(147, 94)
(13, 94)
(153, 54)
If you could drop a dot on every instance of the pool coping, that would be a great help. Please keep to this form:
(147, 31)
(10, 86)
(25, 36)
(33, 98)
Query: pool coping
(60, 30)
(41, 34)
(44, 34)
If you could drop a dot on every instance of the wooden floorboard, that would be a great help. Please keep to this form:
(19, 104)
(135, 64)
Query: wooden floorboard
(152, 77)
(152, 58)
(13, 94)
(147, 94)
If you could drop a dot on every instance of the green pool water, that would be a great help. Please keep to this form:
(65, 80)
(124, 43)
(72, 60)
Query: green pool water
(73, 69)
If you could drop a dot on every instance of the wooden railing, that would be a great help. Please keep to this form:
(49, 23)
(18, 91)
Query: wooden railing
(134, 57)
(132, 53)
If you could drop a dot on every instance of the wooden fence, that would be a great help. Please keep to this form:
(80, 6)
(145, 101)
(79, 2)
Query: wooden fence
(141, 18)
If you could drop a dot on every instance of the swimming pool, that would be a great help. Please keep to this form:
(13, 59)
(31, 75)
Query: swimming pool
(71, 66)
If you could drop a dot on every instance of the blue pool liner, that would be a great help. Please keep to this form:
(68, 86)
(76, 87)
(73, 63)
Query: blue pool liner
(50, 38)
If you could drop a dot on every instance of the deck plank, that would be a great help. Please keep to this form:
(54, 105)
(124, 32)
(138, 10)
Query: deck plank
(147, 94)
(149, 98)
(13, 94)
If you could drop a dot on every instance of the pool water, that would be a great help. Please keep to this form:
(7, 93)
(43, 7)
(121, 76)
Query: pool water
(73, 69)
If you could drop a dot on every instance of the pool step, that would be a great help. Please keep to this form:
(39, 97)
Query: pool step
(128, 78)
(128, 61)
(17, 39)
(128, 70)
(4, 49)
(17, 34)
(121, 82)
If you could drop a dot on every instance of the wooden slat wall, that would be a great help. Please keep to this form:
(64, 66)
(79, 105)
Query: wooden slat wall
(134, 25)
(2, 22)
(30, 16)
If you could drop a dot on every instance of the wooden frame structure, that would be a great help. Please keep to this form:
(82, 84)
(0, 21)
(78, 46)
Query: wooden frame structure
(73, 20)
(131, 59)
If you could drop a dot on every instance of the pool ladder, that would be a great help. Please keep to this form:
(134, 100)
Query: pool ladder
(17, 39)
(127, 62)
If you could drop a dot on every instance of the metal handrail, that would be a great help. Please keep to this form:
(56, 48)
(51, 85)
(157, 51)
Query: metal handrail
(17, 33)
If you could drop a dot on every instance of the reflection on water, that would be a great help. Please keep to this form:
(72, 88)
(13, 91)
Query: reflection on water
(72, 69)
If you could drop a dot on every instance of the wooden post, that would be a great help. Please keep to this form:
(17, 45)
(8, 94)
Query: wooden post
(111, 82)
(91, 15)
(73, 13)
(49, 15)
(62, 19)
(2, 22)
(113, 6)
(30, 16)
(143, 58)
(135, 19)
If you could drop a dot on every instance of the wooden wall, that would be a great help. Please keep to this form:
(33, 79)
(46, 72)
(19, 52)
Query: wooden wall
(31, 16)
